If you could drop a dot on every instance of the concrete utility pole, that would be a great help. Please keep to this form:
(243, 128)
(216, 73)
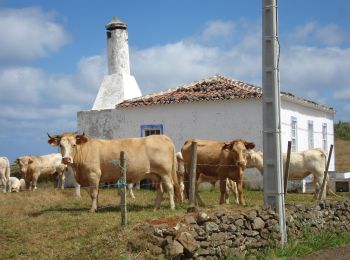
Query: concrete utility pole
(273, 177)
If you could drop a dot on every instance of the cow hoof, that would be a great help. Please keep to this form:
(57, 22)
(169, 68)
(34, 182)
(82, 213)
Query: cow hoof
(92, 210)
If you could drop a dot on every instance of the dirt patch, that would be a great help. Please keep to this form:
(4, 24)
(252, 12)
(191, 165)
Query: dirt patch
(339, 253)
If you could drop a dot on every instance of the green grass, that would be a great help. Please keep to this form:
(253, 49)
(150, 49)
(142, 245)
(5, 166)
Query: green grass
(54, 224)
(311, 243)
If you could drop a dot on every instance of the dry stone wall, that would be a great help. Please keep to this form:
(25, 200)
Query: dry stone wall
(219, 234)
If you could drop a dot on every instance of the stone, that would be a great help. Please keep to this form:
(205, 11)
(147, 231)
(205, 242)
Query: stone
(174, 249)
(202, 252)
(251, 233)
(239, 222)
(252, 215)
(188, 242)
(232, 228)
(224, 227)
(265, 234)
(190, 220)
(204, 244)
(258, 224)
(202, 217)
(218, 239)
(211, 227)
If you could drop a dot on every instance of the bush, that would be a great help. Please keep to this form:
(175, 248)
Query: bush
(342, 130)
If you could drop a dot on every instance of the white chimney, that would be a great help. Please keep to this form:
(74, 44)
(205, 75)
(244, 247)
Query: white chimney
(119, 85)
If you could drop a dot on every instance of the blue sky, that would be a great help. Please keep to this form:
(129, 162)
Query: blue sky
(52, 55)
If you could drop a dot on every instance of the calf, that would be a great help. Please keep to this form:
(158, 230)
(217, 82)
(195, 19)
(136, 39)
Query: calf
(5, 173)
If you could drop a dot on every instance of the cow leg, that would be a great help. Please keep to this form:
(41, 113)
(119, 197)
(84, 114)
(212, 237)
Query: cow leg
(94, 196)
(227, 192)
(222, 190)
(199, 200)
(35, 180)
(159, 198)
(138, 185)
(62, 178)
(3, 182)
(28, 184)
(240, 191)
(168, 184)
(131, 193)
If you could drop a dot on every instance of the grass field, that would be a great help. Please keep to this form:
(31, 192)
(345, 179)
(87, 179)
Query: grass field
(51, 223)
(55, 224)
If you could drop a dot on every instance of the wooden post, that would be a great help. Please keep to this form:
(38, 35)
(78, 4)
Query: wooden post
(124, 219)
(192, 192)
(326, 172)
(286, 167)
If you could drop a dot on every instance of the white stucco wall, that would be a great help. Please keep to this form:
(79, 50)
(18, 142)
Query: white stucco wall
(214, 120)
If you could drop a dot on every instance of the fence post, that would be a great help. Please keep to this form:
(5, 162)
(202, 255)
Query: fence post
(124, 219)
(326, 172)
(286, 169)
(192, 191)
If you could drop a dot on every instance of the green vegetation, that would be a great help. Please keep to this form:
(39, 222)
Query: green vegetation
(311, 243)
(50, 223)
(342, 130)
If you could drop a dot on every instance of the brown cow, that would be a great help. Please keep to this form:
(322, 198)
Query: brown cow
(31, 167)
(92, 161)
(220, 160)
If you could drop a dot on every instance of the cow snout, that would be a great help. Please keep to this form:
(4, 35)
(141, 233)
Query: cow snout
(67, 160)
(242, 163)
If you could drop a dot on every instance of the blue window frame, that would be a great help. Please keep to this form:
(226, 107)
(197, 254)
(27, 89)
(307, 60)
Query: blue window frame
(147, 130)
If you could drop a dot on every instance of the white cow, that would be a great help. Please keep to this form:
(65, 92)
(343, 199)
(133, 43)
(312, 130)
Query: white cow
(15, 184)
(301, 164)
(5, 172)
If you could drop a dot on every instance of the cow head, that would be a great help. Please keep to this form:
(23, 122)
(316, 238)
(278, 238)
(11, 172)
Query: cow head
(23, 162)
(238, 148)
(68, 143)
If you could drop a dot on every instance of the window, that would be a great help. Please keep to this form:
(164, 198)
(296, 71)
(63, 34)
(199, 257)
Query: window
(310, 131)
(147, 130)
(324, 137)
(294, 134)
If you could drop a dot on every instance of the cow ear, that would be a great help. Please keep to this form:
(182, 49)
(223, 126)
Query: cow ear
(249, 145)
(30, 160)
(54, 140)
(81, 139)
(227, 146)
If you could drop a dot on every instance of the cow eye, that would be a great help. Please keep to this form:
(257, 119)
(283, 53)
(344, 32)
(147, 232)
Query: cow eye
(74, 145)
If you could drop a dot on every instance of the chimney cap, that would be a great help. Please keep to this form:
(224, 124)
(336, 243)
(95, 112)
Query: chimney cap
(115, 24)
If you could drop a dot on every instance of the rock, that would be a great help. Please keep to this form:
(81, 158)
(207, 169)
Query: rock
(204, 244)
(202, 252)
(211, 227)
(252, 215)
(224, 227)
(156, 250)
(239, 222)
(188, 242)
(190, 220)
(258, 224)
(202, 217)
(174, 249)
(232, 228)
(265, 234)
(218, 239)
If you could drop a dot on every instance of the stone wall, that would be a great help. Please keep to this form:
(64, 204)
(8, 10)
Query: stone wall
(215, 235)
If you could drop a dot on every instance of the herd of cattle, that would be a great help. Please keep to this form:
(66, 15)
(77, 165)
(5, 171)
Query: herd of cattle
(154, 157)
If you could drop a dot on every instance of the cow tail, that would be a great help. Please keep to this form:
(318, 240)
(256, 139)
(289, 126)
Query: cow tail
(177, 192)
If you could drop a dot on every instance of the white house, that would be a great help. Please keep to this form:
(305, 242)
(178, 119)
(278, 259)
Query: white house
(216, 108)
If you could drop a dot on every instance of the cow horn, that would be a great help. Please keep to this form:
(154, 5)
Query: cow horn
(53, 137)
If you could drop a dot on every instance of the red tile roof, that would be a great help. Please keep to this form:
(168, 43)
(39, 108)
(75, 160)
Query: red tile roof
(211, 89)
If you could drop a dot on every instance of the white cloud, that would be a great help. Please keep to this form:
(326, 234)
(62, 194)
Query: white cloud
(28, 34)
(218, 29)
(315, 34)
